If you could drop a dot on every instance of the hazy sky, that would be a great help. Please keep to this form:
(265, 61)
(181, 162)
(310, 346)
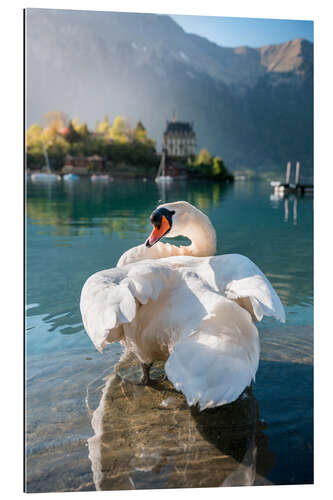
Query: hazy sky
(236, 31)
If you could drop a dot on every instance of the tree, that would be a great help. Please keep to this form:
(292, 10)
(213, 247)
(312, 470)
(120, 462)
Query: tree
(49, 135)
(80, 128)
(219, 170)
(204, 158)
(34, 146)
(34, 135)
(104, 126)
(140, 132)
(57, 151)
(55, 120)
(218, 166)
(72, 134)
(118, 131)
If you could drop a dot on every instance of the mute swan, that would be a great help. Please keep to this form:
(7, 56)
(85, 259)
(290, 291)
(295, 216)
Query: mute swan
(184, 306)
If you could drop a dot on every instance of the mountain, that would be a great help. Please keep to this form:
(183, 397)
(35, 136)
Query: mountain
(252, 106)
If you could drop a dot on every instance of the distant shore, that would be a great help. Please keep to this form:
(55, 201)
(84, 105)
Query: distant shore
(131, 172)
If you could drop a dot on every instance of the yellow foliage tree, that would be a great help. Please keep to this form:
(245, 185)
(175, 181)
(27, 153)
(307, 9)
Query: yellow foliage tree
(59, 145)
(49, 135)
(55, 120)
(140, 132)
(119, 129)
(104, 126)
(78, 126)
(217, 165)
(204, 157)
(34, 135)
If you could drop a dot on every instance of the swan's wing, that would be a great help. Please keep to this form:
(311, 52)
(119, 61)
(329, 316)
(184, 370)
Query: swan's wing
(237, 277)
(214, 364)
(109, 298)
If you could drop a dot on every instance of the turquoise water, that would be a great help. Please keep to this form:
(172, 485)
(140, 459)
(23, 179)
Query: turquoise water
(75, 229)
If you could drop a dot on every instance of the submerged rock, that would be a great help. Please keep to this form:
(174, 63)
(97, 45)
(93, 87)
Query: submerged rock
(147, 437)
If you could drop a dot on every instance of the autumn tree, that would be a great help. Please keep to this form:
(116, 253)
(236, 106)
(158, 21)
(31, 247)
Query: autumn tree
(34, 135)
(217, 165)
(80, 128)
(204, 158)
(140, 132)
(55, 120)
(118, 131)
(104, 126)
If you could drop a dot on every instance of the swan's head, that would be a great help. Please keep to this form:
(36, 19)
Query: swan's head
(179, 218)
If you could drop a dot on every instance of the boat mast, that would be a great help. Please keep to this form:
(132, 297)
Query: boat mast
(48, 168)
(161, 168)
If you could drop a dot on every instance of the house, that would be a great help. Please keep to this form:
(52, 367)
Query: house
(179, 139)
(82, 165)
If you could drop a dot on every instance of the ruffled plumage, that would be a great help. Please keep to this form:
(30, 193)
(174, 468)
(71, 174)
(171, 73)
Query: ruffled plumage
(195, 312)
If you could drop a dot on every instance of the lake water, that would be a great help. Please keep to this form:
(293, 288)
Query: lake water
(75, 229)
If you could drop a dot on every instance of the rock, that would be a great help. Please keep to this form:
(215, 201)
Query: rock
(147, 437)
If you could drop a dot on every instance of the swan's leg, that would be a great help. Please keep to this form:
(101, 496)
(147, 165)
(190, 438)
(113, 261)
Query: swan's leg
(145, 379)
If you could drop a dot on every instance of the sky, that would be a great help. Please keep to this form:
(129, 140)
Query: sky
(237, 31)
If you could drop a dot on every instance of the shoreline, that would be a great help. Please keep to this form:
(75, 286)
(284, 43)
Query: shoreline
(113, 176)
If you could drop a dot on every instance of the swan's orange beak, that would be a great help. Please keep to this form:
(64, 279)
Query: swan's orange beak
(158, 232)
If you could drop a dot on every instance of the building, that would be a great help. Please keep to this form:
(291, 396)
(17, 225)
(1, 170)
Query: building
(82, 165)
(179, 139)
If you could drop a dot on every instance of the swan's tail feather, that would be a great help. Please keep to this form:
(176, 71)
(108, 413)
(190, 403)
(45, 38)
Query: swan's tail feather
(214, 364)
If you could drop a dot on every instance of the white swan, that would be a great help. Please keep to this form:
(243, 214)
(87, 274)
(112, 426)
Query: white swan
(180, 304)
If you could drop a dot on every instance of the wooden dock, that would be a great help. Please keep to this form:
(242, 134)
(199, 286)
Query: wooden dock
(288, 187)
(294, 188)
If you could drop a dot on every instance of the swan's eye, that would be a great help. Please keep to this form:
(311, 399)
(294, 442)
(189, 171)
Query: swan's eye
(156, 218)
(157, 215)
(167, 213)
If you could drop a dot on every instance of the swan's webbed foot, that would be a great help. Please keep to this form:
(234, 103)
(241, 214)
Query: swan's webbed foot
(146, 379)
(163, 378)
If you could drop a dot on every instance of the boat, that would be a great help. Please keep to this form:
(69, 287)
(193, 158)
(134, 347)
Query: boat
(71, 177)
(101, 177)
(44, 177)
(161, 177)
(164, 178)
(47, 175)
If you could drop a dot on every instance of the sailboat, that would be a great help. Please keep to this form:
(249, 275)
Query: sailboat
(160, 176)
(46, 176)
(70, 177)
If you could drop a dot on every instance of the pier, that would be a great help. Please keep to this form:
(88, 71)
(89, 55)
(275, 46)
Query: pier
(288, 187)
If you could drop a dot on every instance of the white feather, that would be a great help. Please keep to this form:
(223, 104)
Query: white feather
(213, 365)
(195, 312)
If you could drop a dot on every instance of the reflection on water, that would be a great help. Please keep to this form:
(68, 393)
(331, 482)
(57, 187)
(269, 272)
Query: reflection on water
(147, 437)
(120, 211)
(278, 198)
(75, 208)
(74, 230)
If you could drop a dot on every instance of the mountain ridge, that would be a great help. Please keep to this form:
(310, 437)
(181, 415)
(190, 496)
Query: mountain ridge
(245, 102)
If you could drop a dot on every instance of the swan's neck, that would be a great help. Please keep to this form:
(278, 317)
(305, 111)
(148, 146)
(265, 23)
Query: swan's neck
(202, 235)
(197, 228)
